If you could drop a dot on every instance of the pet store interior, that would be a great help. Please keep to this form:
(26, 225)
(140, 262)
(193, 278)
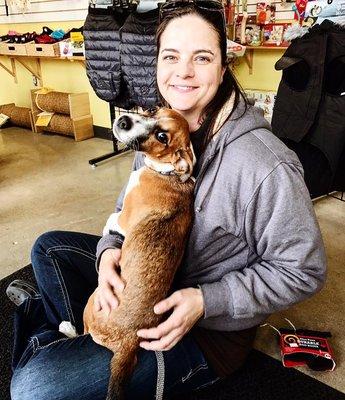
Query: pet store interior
(61, 168)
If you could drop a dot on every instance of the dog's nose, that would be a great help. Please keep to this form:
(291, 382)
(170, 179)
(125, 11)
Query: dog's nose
(124, 123)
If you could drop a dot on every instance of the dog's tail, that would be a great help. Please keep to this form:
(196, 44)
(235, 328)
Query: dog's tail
(121, 368)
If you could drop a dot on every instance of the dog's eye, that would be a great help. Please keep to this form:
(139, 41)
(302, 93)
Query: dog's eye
(162, 137)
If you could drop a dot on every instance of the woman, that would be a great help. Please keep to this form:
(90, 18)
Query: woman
(254, 248)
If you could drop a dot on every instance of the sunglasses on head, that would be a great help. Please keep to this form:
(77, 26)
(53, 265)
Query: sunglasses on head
(205, 5)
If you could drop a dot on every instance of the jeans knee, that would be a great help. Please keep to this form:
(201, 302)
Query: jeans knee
(43, 243)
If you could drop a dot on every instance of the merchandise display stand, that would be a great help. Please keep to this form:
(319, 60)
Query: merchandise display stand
(249, 54)
(34, 69)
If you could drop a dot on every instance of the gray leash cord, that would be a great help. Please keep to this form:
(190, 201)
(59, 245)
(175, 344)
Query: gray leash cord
(160, 375)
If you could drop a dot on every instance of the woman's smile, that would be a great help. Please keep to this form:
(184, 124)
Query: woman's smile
(184, 88)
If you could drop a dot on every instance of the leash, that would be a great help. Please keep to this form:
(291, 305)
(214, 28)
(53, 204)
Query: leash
(160, 375)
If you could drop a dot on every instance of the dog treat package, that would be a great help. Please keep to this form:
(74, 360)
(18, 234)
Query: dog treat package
(306, 348)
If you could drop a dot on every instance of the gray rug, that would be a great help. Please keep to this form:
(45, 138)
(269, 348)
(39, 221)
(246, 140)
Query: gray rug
(261, 378)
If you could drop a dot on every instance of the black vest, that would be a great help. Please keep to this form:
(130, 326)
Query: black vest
(310, 104)
(120, 54)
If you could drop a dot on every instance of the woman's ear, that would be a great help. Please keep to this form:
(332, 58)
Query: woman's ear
(223, 72)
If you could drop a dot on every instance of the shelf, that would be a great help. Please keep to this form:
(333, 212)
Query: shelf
(34, 69)
(249, 54)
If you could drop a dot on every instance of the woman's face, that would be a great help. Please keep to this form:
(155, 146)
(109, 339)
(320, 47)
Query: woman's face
(189, 69)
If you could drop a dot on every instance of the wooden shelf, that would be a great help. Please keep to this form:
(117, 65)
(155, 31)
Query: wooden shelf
(249, 54)
(34, 66)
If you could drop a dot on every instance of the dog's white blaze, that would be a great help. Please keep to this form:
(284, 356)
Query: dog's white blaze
(112, 222)
(141, 127)
(158, 166)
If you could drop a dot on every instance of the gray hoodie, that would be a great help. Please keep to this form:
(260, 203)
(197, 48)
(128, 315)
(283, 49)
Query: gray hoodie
(255, 246)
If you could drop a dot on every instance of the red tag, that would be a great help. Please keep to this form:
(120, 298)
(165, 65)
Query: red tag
(301, 350)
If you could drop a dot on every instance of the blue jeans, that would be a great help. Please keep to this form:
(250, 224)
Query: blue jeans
(49, 366)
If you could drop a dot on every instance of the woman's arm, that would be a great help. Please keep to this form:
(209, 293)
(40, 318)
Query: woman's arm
(279, 226)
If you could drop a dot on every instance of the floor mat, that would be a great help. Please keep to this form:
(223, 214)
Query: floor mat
(261, 378)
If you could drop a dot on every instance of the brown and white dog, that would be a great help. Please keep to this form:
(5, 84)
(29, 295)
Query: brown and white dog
(155, 220)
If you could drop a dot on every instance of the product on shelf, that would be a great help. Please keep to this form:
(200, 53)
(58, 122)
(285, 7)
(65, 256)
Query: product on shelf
(253, 32)
(265, 13)
(262, 99)
(318, 10)
(273, 34)
(235, 49)
(19, 116)
(49, 43)
(63, 113)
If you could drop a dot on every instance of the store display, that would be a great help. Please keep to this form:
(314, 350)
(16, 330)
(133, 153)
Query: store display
(265, 13)
(308, 114)
(102, 36)
(244, 21)
(19, 116)
(60, 124)
(235, 49)
(114, 42)
(273, 34)
(55, 102)
(299, 7)
(49, 43)
(262, 99)
(318, 10)
(7, 108)
(253, 32)
(63, 113)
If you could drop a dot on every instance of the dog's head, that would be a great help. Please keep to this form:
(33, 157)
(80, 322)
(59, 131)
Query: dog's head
(163, 135)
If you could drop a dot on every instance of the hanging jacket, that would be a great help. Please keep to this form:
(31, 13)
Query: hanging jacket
(310, 102)
(247, 248)
(138, 57)
(102, 53)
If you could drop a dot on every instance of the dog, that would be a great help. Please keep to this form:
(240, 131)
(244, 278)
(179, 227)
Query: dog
(155, 220)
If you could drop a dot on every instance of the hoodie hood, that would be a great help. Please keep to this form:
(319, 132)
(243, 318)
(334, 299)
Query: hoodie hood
(226, 131)
(242, 121)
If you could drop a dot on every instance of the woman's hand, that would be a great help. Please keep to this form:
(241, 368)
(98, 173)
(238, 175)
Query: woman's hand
(188, 305)
(110, 284)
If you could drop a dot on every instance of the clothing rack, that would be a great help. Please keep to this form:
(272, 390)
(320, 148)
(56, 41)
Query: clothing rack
(114, 112)
(139, 6)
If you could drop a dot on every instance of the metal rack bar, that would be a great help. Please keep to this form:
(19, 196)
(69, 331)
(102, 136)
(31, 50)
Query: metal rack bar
(116, 151)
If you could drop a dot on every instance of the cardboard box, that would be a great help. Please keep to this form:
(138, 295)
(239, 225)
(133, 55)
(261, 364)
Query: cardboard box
(13, 49)
(43, 50)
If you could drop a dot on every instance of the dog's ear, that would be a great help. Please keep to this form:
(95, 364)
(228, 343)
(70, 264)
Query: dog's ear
(183, 164)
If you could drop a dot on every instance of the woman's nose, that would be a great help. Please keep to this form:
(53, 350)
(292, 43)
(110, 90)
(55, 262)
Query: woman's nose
(185, 70)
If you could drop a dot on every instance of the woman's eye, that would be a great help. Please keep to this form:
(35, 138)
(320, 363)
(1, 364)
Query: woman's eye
(169, 58)
(162, 137)
(203, 59)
